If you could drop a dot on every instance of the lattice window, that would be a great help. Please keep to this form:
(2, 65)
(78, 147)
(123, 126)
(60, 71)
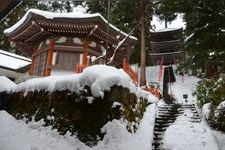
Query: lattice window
(39, 64)
(66, 60)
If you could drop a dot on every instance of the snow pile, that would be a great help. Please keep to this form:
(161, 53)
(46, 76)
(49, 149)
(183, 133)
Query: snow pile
(118, 138)
(206, 110)
(33, 136)
(6, 84)
(98, 77)
(186, 135)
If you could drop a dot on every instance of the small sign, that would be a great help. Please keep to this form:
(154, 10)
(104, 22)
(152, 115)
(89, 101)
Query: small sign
(185, 96)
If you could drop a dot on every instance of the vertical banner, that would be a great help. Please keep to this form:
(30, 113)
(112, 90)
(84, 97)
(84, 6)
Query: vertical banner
(161, 69)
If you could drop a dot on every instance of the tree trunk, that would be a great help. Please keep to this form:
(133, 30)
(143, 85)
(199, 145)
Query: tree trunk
(166, 22)
(143, 46)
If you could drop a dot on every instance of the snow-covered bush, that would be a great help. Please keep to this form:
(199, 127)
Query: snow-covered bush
(213, 91)
(203, 90)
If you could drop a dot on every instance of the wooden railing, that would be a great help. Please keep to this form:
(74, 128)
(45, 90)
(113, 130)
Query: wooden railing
(130, 71)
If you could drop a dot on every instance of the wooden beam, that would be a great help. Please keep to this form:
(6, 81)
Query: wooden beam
(24, 31)
(92, 30)
(36, 35)
(77, 49)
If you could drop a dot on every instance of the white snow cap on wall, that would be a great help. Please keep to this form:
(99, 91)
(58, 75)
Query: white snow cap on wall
(6, 84)
(98, 77)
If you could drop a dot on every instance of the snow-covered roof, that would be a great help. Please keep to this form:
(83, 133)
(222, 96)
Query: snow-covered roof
(167, 30)
(52, 15)
(166, 42)
(13, 61)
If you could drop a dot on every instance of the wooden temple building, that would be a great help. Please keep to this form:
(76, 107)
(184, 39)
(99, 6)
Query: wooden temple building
(57, 42)
(167, 44)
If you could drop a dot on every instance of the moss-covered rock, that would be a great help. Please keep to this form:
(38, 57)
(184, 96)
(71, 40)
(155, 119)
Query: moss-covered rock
(79, 113)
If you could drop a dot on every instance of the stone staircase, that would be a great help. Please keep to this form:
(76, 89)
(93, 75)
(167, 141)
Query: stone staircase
(167, 114)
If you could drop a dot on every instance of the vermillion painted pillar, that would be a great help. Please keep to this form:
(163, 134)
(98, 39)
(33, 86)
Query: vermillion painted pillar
(49, 59)
(31, 72)
(84, 58)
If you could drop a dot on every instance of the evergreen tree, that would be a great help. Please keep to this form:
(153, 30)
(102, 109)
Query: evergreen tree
(127, 15)
(206, 26)
(165, 10)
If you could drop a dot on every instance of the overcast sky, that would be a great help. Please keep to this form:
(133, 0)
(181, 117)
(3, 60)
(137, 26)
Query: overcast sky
(178, 23)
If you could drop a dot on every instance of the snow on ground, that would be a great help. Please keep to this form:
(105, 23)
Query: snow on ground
(184, 85)
(186, 135)
(118, 138)
(16, 134)
(183, 134)
(219, 136)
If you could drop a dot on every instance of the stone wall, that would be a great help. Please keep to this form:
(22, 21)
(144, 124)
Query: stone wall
(77, 113)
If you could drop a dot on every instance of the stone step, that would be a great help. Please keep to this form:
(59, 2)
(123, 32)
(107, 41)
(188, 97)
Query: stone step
(185, 109)
(156, 143)
(168, 115)
(196, 121)
(163, 125)
(167, 120)
(187, 105)
(160, 129)
(192, 108)
(164, 122)
(156, 138)
(157, 133)
(168, 110)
